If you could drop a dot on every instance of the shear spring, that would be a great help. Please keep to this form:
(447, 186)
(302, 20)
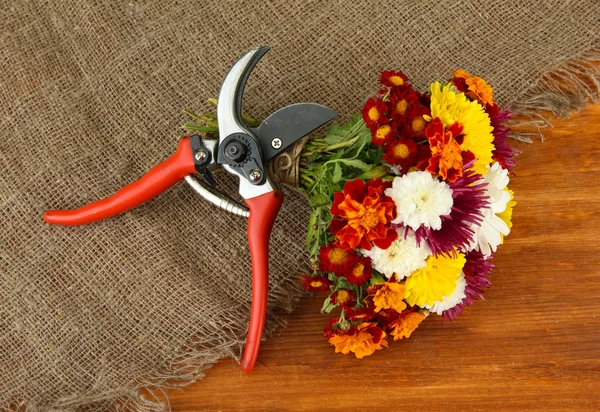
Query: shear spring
(217, 199)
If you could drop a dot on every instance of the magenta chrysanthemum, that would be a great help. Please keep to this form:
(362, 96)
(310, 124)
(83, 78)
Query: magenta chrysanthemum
(477, 269)
(468, 200)
(503, 153)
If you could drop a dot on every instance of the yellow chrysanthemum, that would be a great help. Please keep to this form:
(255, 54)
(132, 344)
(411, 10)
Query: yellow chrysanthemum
(506, 216)
(452, 106)
(438, 279)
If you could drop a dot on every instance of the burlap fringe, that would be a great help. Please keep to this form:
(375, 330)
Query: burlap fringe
(558, 94)
(197, 356)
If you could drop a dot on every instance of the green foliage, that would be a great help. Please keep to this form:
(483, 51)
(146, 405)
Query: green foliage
(343, 154)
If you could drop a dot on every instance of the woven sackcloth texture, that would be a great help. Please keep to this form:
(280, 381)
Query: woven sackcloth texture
(91, 96)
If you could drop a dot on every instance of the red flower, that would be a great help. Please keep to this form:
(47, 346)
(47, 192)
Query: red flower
(416, 124)
(360, 271)
(391, 78)
(400, 152)
(334, 258)
(386, 316)
(401, 102)
(314, 283)
(447, 157)
(363, 314)
(374, 113)
(343, 297)
(330, 328)
(380, 135)
(362, 214)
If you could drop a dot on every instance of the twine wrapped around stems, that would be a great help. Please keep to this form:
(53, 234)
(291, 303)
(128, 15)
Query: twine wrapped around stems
(285, 167)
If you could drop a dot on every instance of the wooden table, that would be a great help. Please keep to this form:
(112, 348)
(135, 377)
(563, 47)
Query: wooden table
(534, 343)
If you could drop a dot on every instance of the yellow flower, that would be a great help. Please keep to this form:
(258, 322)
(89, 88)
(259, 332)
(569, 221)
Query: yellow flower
(452, 106)
(506, 215)
(438, 279)
(362, 341)
(404, 326)
(390, 297)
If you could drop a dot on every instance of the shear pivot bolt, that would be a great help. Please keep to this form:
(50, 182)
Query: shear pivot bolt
(255, 175)
(200, 155)
(276, 143)
(235, 151)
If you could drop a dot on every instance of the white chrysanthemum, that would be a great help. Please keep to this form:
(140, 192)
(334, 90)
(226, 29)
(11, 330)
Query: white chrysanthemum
(489, 234)
(402, 258)
(448, 302)
(420, 200)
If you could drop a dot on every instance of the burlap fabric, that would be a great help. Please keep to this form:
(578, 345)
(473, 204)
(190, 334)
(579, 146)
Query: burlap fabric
(91, 96)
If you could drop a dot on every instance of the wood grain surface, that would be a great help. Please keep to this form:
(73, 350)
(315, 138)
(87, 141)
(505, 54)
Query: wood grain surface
(533, 344)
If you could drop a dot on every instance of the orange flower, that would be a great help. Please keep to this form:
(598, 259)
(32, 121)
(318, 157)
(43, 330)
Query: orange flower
(362, 214)
(390, 296)
(405, 325)
(447, 157)
(474, 87)
(362, 340)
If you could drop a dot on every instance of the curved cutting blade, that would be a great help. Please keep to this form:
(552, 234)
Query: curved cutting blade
(288, 125)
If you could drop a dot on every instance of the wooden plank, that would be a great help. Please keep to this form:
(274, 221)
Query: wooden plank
(534, 343)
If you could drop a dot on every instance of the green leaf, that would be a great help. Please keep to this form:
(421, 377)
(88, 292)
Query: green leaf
(376, 278)
(334, 135)
(342, 283)
(319, 200)
(337, 173)
(359, 164)
(328, 306)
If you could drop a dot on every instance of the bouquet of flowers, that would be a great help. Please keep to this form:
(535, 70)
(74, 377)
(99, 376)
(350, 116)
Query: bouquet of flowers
(408, 202)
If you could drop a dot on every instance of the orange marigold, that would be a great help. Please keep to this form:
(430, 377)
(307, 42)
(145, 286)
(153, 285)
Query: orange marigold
(363, 340)
(447, 157)
(390, 296)
(473, 86)
(363, 214)
(406, 324)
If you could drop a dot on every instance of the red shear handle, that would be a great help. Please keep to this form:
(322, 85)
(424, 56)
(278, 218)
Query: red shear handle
(156, 181)
(263, 211)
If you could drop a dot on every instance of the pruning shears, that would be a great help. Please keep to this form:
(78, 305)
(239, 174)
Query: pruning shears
(240, 150)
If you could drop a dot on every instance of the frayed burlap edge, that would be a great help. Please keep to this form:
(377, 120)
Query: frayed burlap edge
(189, 366)
(559, 94)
